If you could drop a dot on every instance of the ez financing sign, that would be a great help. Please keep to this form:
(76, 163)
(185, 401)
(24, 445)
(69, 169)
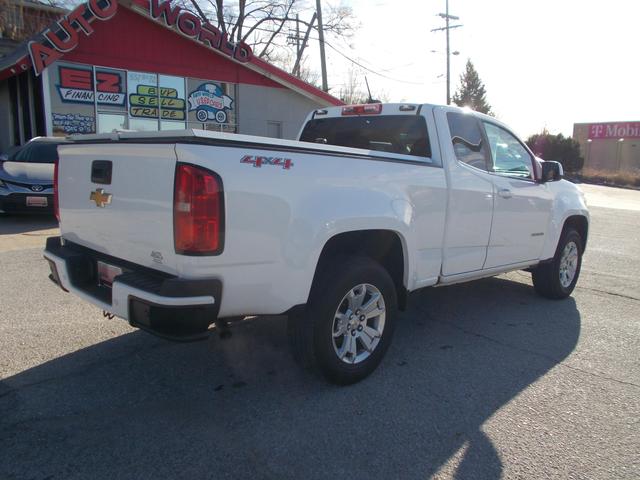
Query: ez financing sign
(76, 86)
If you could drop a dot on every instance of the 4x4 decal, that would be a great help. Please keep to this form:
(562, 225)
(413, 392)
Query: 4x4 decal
(258, 161)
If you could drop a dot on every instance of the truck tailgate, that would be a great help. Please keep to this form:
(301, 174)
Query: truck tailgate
(137, 222)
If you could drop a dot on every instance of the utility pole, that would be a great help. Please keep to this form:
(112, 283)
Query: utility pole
(323, 61)
(446, 15)
(446, 28)
(295, 39)
(296, 67)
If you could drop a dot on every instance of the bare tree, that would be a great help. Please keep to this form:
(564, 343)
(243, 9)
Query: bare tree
(285, 59)
(351, 92)
(354, 90)
(21, 20)
(265, 24)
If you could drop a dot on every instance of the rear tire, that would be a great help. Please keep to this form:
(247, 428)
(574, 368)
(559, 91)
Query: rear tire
(329, 336)
(557, 278)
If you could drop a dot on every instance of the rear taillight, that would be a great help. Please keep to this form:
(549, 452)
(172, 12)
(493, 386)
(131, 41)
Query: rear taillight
(198, 211)
(367, 109)
(56, 201)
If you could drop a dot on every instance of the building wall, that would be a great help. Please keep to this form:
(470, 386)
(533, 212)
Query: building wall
(261, 109)
(613, 154)
(130, 41)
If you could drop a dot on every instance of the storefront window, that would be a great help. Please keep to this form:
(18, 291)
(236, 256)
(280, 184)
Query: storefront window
(111, 99)
(143, 125)
(143, 101)
(86, 99)
(172, 103)
(211, 105)
(72, 97)
(108, 122)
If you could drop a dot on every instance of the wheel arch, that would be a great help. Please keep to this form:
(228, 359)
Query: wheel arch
(575, 218)
(580, 223)
(387, 247)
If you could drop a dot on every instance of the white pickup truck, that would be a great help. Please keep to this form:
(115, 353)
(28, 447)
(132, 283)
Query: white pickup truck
(176, 231)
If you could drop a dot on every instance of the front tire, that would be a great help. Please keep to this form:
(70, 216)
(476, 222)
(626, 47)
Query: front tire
(558, 278)
(348, 324)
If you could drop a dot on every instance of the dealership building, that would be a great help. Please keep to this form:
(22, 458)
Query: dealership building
(612, 146)
(144, 65)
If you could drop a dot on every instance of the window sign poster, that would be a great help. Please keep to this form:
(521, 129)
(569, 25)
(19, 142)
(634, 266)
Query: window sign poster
(172, 102)
(72, 96)
(143, 94)
(142, 89)
(76, 84)
(111, 89)
(111, 99)
(86, 99)
(210, 102)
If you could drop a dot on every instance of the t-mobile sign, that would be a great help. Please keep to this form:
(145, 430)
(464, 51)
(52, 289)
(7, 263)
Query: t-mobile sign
(615, 130)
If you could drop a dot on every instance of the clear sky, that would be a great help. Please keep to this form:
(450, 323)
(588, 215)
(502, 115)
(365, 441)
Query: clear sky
(545, 63)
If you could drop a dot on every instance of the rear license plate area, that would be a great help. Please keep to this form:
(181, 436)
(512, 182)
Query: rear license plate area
(107, 273)
(37, 202)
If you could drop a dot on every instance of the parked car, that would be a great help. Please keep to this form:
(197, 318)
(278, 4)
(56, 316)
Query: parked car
(26, 177)
(175, 233)
(5, 155)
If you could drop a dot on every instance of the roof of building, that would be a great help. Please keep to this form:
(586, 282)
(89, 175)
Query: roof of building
(18, 60)
(7, 46)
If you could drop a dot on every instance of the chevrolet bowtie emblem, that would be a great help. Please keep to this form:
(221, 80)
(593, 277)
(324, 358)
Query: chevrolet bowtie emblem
(100, 197)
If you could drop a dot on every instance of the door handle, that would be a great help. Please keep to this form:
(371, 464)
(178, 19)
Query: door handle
(504, 193)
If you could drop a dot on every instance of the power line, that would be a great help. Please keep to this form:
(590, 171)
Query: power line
(355, 62)
(369, 69)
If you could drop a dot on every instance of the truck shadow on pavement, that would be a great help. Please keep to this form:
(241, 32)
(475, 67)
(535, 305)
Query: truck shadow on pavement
(140, 407)
(13, 224)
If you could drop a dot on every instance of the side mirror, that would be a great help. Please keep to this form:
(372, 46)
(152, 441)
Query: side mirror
(551, 172)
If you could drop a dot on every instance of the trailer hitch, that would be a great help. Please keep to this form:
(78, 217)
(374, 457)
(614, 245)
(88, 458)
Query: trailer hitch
(222, 326)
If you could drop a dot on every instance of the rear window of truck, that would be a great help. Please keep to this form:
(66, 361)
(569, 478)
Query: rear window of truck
(402, 134)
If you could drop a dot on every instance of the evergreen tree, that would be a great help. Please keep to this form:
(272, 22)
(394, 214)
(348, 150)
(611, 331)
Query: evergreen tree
(471, 92)
(559, 148)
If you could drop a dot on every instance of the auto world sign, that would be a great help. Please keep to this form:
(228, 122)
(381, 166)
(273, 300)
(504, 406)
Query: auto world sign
(614, 130)
(70, 28)
(192, 27)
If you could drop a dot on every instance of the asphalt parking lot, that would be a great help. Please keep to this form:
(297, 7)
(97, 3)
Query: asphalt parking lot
(484, 380)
